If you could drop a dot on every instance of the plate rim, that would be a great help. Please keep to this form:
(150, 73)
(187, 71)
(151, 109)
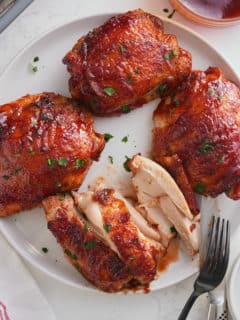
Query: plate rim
(233, 274)
(12, 241)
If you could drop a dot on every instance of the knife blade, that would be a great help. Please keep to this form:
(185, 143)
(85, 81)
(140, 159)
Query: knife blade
(10, 9)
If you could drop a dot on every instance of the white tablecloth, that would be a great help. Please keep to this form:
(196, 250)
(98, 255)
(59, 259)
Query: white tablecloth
(69, 303)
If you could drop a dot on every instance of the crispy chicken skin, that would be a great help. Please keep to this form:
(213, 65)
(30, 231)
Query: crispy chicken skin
(139, 253)
(83, 248)
(197, 135)
(125, 63)
(47, 144)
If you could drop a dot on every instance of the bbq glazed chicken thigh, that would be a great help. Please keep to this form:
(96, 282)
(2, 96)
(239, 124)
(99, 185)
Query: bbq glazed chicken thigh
(124, 63)
(47, 144)
(197, 135)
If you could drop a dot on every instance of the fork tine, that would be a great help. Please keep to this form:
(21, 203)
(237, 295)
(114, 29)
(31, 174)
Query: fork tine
(210, 242)
(226, 251)
(220, 244)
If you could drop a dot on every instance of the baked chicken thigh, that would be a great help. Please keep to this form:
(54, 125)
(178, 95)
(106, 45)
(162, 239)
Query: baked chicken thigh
(124, 63)
(197, 135)
(47, 144)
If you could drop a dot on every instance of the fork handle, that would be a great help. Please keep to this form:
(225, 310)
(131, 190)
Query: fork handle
(188, 305)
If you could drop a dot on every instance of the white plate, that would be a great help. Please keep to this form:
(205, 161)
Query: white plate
(234, 291)
(27, 232)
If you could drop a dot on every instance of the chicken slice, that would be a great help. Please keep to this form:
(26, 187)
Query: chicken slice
(188, 230)
(83, 248)
(109, 214)
(163, 204)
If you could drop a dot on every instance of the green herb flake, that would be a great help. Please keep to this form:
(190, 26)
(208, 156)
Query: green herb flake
(126, 109)
(220, 98)
(109, 91)
(17, 155)
(85, 227)
(199, 187)
(221, 159)
(34, 68)
(129, 78)
(110, 159)
(211, 91)
(165, 10)
(125, 139)
(58, 184)
(205, 147)
(51, 162)
(45, 250)
(34, 122)
(171, 110)
(62, 162)
(80, 163)
(162, 88)
(61, 197)
(5, 177)
(70, 254)
(176, 102)
(172, 229)
(122, 49)
(171, 14)
(125, 164)
(107, 136)
(32, 151)
(93, 101)
(16, 171)
(107, 227)
(168, 55)
(90, 244)
(36, 59)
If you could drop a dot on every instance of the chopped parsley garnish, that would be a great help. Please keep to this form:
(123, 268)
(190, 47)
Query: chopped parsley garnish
(5, 177)
(62, 162)
(171, 14)
(107, 137)
(61, 197)
(199, 187)
(122, 48)
(125, 164)
(220, 98)
(16, 171)
(85, 227)
(93, 102)
(109, 91)
(70, 254)
(172, 229)
(51, 162)
(107, 227)
(205, 147)
(17, 155)
(211, 91)
(80, 163)
(110, 159)
(45, 250)
(34, 122)
(36, 59)
(176, 102)
(221, 159)
(32, 151)
(125, 139)
(170, 55)
(90, 244)
(34, 68)
(165, 10)
(129, 78)
(162, 88)
(175, 52)
(125, 109)
(58, 184)
(171, 110)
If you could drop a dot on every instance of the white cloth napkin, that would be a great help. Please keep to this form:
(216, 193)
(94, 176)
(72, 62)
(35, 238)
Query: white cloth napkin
(20, 296)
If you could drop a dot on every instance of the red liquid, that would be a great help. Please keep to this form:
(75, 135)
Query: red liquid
(216, 9)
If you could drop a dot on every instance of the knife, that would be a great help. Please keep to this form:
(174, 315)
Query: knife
(10, 9)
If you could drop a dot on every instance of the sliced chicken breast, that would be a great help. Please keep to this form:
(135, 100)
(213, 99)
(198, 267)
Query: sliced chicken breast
(109, 214)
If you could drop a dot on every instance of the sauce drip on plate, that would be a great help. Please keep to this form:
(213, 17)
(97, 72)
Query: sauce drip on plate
(215, 9)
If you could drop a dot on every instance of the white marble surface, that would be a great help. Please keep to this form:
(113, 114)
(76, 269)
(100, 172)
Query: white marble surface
(69, 303)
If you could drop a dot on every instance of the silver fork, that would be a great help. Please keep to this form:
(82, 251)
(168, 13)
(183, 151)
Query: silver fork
(215, 265)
